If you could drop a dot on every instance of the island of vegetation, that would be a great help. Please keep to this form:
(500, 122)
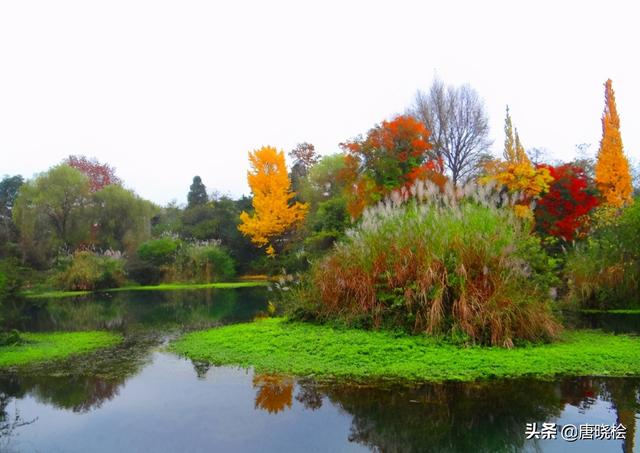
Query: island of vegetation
(29, 348)
(322, 351)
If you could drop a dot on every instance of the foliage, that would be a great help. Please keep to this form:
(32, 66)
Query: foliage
(304, 158)
(613, 176)
(197, 195)
(604, 272)
(459, 127)
(11, 281)
(395, 154)
(440, 264)
(201, 263)
(99, 175)
(303, 349)
(273, 214)
(159, 251)
(121, 219)
(516, 173)
(305, 155)
(563, 210)
(39, 347)
(171, 260)
(9, 187)
(51, 212)
(87, 271)
(325, 191)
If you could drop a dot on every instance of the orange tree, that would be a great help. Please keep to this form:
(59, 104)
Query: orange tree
(393, 155)
(274, 213)
(613, 177)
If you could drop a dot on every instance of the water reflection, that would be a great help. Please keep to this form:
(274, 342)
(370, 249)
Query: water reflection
(129, 311)
(608, 322)
(133, 397)
(274, 393)
(480, 417)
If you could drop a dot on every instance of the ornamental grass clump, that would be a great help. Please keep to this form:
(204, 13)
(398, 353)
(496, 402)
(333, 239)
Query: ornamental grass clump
(455, 263)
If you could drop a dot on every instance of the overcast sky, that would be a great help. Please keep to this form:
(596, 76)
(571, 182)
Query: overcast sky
(165, 90)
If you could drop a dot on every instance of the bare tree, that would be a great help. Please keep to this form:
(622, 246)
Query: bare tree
(459, 126)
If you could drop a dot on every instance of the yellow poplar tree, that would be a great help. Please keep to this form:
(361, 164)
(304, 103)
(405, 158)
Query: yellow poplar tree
(613, 177)
(517, 173)
(273, 212)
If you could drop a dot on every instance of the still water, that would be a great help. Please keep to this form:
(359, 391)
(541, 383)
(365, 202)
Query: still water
(138, 397)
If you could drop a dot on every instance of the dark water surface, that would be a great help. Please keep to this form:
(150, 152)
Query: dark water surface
(138, 397)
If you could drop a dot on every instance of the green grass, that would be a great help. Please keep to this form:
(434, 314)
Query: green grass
(39, 347)
(277, 346)
(162, 287)
(622, 311)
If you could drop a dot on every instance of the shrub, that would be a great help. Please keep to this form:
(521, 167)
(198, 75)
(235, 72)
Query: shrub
(203, 263)
(604, 272)
(10, 280)
(10, 288)
(143, 272)
(87, 271)
(159, 251)
(448, 263)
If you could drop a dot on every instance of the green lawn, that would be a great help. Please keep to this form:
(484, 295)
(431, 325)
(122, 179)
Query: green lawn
(162, 287)
(302, 349)
(39, 347)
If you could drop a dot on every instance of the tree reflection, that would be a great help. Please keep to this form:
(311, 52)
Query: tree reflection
(480, 417)
(274, 393)
(9, 423)
(81, 383)
(135, 310)
(309, 395)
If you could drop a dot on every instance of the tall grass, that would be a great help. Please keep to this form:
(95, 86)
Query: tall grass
(604, 271)
(442, 263)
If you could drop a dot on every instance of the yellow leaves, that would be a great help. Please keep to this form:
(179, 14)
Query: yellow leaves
(523, 211)
(517, 173)
(272, 195)
(613, 177)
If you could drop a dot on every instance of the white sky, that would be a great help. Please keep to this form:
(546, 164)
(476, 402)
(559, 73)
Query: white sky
(165, 90)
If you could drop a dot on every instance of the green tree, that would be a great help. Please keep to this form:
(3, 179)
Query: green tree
(197, 195)
(50, 212)
(122, 220)
(9, 187)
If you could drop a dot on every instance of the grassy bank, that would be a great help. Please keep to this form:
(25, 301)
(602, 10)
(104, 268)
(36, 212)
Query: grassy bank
(622, 311)
(40, 347)
(274, 345)
(162, 287)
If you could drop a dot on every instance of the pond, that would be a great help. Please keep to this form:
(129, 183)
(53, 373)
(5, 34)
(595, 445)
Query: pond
(138, 397)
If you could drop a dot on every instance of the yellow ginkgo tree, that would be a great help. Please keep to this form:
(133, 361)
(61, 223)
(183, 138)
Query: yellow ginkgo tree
(516, 172)
(613, 177)
(274, 213)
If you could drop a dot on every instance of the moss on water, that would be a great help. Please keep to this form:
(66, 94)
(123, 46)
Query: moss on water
(39, 347)
(162, 287)
(278, 346)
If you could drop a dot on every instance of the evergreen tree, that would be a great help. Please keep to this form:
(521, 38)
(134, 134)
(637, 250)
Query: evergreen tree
(197, 193)
(613, 177)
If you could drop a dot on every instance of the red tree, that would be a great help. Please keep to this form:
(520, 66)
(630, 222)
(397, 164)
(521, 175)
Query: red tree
(100, 175)
(562, 211)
